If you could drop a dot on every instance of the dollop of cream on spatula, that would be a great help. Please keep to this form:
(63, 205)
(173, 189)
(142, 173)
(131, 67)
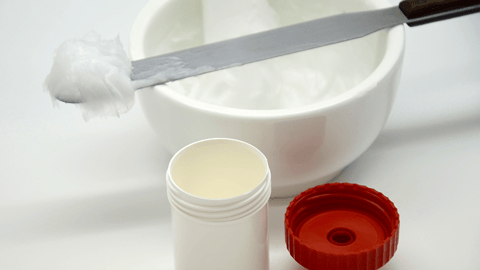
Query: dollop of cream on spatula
(94, 74)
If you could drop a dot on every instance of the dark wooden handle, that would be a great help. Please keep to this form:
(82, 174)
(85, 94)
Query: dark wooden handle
(446, 9)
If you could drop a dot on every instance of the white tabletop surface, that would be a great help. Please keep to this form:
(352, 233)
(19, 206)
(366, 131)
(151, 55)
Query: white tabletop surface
(76, 195)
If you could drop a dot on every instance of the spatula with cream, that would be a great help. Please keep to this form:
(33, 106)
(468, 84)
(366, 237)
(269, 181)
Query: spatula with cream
(96, 74)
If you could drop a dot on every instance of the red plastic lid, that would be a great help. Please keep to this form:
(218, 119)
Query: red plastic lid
(341, 226)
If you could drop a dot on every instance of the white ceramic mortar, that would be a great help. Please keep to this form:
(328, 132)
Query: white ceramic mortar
(306, 146)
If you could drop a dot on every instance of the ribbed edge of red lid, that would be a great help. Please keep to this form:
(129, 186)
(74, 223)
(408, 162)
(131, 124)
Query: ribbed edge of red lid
(370, 258)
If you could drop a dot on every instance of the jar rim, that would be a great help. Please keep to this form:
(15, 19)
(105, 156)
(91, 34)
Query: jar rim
(219, 209)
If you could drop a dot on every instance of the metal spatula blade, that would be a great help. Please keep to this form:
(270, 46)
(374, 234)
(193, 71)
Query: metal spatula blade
(291, 39)
(286, 40)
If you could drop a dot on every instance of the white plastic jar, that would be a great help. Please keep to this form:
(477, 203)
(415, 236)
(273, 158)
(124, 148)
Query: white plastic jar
(219, 190)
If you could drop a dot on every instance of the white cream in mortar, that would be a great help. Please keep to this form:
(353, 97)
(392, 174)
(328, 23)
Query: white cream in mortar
(95, 72)
(286, 82)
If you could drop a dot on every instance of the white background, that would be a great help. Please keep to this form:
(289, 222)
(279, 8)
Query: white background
(76, 195)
